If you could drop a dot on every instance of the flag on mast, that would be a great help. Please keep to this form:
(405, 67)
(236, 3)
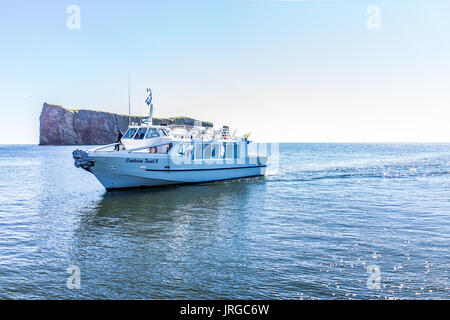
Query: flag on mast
(149, 98)
(149, 103)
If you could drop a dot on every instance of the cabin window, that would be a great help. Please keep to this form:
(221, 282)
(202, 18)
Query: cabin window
(198, 150)
(152, 133)
(185, 150)
(182, 149)
(229, 151)
(130, 133)
(163, 132)
(190, 151)
(222, 151)
(140, 134)
(215, 151)
(164, 148)
(207, 151)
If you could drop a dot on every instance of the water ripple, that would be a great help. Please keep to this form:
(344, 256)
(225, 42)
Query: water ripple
(310, 230)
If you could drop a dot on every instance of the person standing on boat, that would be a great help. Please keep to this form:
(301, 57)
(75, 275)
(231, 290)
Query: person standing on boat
(119, 137)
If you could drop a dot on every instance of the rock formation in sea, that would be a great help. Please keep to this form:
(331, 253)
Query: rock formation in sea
(61, 126)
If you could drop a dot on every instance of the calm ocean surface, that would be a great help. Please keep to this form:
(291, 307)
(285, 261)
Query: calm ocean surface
(308, 231)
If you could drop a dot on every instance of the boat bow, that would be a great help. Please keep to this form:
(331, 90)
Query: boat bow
(82, 160)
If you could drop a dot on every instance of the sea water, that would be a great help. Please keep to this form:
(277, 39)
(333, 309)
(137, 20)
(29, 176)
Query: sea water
(329, 221)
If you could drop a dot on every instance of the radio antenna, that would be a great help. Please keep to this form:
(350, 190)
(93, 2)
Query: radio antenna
(129, 99)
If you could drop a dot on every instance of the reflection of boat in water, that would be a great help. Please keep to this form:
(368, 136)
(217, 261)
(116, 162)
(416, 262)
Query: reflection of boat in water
(160, 243)
(135, 209)
(172, 199)
(153, 155)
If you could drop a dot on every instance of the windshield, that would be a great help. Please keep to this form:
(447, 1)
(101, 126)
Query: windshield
(141, 133)
(130, 133)
(152, 133)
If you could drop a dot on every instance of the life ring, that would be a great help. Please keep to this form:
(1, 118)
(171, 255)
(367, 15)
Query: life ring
(152, 149)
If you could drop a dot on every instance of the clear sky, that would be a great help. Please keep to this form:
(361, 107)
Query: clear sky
(306, 71)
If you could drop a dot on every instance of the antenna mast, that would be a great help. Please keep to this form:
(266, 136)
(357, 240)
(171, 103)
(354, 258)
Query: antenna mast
(129, 100)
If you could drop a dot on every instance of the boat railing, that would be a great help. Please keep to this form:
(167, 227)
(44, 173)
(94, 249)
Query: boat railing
(130, 150)
(148, 146)
(194, 132)
(104, 147)
(180, 126)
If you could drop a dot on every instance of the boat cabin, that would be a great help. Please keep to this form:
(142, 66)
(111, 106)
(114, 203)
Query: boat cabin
(189, 141)
(138, 136)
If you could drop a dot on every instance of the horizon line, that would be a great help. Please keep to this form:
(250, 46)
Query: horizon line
(280, 142)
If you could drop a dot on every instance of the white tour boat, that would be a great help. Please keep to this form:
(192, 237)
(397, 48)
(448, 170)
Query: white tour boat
(151, 155)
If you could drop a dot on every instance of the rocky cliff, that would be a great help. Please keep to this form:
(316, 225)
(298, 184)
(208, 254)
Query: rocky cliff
(60, 126)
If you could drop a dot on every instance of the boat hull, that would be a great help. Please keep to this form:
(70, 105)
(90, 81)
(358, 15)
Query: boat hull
(124, 172)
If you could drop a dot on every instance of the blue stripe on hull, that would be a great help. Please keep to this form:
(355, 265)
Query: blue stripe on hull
(162, 177)
(205, 169)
